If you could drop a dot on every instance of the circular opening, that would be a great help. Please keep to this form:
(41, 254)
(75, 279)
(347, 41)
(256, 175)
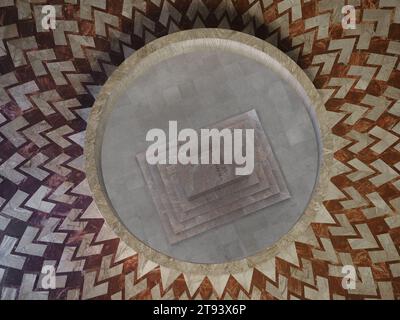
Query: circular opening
(197, 89)
(286, 90)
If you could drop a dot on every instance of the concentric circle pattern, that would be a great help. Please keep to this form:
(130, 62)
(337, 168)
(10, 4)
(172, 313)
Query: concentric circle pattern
(48, 84)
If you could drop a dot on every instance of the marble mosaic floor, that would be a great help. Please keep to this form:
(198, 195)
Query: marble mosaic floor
(49, 80)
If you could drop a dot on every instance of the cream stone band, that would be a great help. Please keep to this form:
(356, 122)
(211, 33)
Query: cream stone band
(188, 41)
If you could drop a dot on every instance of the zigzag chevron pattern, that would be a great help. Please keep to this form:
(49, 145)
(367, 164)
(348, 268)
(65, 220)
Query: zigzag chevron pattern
(48, 80)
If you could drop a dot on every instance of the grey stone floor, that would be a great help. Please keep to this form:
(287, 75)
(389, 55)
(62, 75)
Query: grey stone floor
(198, 89)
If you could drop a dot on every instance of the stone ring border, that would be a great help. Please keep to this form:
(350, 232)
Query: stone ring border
(170, 46)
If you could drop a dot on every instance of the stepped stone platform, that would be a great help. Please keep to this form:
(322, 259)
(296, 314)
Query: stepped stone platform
(191, 199)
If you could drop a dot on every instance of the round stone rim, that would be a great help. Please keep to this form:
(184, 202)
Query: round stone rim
(167, 47)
